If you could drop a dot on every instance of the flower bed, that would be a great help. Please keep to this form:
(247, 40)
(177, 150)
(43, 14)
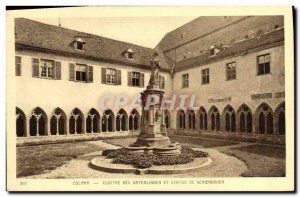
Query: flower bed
(147, 160)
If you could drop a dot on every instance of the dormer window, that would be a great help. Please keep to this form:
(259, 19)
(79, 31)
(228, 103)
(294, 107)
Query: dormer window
(211, 50)
(129, 54)
(79, 44)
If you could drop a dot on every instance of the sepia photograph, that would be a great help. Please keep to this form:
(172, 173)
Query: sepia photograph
(136, 99)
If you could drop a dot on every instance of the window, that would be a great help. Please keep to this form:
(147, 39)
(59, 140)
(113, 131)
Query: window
(161, 82)
(205, 76)
(80, 46)
(135, 79)
(185, 80)
(47, 68)
(80, 72)
(263, 64)
(110, 76)
(130, 56)
(18, 61)
(231, 71)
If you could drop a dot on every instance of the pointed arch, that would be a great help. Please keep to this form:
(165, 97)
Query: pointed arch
(38, 122)
(181, 119)
(58, 122)
(93, 121)
(202, 118)
(191, 118)
(108, 120)
(279, 119)
(264, 119)
(134, 120)
(122, 120)
(76, 122)
(229, 120)
(244, 119)
(214, 118)
(167, 118)
(20, 123)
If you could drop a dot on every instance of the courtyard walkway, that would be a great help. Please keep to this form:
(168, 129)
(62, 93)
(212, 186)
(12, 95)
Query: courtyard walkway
(79, 167)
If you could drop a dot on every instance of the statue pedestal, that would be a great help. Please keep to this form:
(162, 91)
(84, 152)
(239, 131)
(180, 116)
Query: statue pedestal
(153, 136)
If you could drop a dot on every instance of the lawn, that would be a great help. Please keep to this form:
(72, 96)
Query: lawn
(262, 161)
(187, 141)
(33, 160)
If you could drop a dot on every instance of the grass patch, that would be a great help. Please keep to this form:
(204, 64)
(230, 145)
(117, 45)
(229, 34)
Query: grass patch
(32, 160)
(262, 161)
(206, 143)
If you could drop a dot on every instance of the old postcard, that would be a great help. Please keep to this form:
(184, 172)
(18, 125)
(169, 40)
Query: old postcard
(150, 99)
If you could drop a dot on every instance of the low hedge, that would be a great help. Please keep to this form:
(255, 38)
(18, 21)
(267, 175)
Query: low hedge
(147, 160)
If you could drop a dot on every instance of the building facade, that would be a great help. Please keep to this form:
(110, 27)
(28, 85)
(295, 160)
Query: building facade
(233, 65)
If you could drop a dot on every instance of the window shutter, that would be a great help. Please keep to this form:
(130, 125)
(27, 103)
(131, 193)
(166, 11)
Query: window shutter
(57, 71)
(90, 74)
(142, 80)
(72, 72)
(161, 82)
(18, 66)
(119, 77)
(129, 78)
(103, 75)
(35, 67)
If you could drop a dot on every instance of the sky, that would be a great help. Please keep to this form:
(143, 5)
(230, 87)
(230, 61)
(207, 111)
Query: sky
(143, 31)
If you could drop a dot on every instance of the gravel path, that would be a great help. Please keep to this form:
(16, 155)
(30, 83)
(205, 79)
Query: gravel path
(222, 166)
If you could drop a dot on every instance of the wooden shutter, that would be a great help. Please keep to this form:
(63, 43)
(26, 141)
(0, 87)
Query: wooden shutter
(18, 66)
(35, 67)
(57, 71)
(161, 82)
(142, 80)
(103, 75)
(90, 74)
(129, 78)
(72, 72)
(118, 80)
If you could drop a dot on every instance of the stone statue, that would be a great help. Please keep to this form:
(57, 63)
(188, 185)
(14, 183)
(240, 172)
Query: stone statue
(155, 66)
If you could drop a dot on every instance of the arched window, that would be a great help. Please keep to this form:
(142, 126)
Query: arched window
(121, 120)
(191, 119)
(167, 118)
(230, 124)
(214, 118)
(58, 122)
(181, 119)
(245, 119)
(203, 118)
(76, 122)
(20, 123)
(92, 121)
(108, 121)
(38, 122)
(134, 120)
(280, 119)
(264, 116)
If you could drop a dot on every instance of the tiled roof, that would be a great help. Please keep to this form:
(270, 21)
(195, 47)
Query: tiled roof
(243, 46)
(49, 37)
(196, 28)
(205, 28)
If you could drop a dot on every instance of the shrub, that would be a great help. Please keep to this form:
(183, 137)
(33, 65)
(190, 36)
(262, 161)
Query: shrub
(147, 160)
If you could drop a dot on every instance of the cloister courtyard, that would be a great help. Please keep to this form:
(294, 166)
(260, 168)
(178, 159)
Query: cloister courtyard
(71, 158)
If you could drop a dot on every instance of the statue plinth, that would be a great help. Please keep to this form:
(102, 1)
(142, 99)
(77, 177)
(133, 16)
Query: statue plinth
(153, 135)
